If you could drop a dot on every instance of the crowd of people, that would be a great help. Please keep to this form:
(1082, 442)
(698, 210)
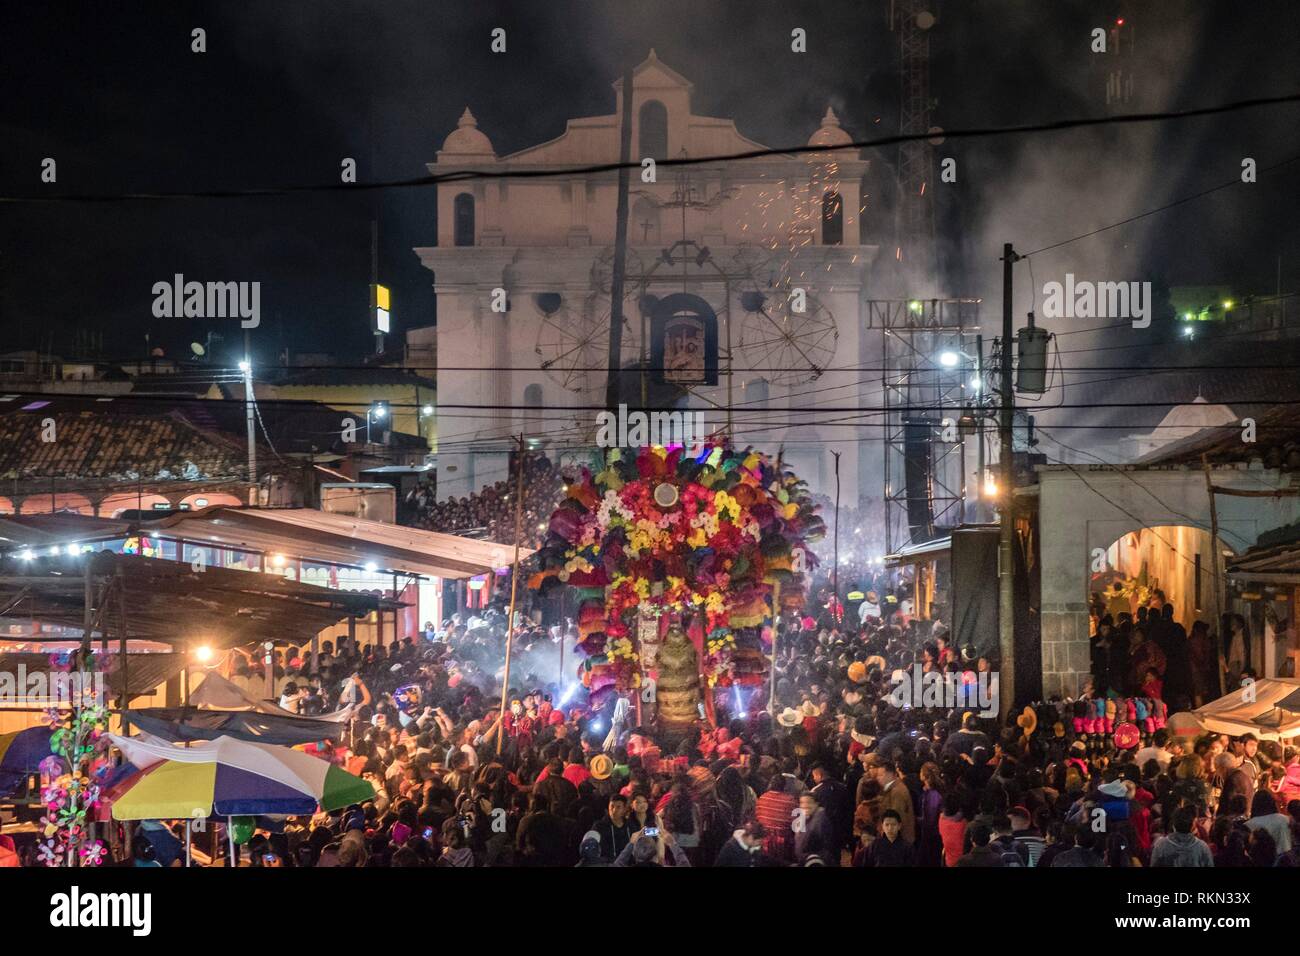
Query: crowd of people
(493, 508)
(835, 773)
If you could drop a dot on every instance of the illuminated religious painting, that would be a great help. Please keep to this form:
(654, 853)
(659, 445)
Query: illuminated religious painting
(684, 341)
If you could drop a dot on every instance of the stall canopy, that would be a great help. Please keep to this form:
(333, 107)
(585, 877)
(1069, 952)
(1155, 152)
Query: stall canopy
(1272, 713)
(218, 693)
(304, 533)
(170, 602)
(180, 724)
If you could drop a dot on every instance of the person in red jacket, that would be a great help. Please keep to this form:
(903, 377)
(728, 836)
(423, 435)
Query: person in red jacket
(775, 809)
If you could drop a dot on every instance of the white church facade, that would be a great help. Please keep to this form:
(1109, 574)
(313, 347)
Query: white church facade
(522, 269)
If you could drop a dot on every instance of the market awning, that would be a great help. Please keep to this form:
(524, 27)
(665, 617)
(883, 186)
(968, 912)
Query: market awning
(144, 672)
(218, 693)
(304, 532)
(178, 724)
(916, 553)
(170, 602)
(1272, 713)
(299, 533)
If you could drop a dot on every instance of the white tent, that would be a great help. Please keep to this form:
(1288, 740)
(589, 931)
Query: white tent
(1268, 708)
(217, 693)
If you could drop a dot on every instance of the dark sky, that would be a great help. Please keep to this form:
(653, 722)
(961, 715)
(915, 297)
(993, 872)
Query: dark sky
(286, 90)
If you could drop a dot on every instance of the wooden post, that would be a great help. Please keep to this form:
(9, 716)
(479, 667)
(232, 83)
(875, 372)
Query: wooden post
(514, 589)
(835, 569)
(1215, 558)
(776, 630)
(124, 697)
(776, 595)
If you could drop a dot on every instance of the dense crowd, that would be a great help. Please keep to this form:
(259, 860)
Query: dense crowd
(493, 508)
(835, 774)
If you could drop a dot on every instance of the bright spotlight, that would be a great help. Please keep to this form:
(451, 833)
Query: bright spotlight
(949, 359)
(245, 367)
(203, 654)
(372, 567)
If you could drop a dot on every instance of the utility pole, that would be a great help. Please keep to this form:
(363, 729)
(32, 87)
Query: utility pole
(835, 569)
(1006, 538)
(246, 366)
(620, 247)
(979, 425)
(514, 587)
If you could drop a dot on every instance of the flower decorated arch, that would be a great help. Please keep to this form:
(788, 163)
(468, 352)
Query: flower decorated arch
(710, 538)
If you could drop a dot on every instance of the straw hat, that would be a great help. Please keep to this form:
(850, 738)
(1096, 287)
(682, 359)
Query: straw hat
(601, 767)
(789, 717)
(1028, 721)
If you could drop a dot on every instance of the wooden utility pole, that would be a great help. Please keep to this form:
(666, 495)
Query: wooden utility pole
(1215, 556)
(1006, 535)
(514, 589)
(835, 571)
(620, 248)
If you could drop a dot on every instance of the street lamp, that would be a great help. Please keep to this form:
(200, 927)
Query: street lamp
(378, 412)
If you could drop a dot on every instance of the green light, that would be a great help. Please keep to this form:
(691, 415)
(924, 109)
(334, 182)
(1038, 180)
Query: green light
(1187, 316)
(1227, 305)
(914, 305)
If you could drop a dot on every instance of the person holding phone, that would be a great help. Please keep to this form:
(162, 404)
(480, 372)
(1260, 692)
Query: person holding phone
(647, 848)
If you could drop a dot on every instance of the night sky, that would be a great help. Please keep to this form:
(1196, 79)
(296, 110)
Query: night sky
(286, 90)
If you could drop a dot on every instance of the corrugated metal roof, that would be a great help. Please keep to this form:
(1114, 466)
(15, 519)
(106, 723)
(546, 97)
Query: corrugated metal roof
(295, 532)
(144, 672)
(170, 602)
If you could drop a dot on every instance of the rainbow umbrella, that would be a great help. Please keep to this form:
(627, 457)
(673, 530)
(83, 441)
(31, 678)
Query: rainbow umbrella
(21, 753)
(227, 777)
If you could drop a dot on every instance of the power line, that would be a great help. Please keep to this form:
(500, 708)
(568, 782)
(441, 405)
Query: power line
(1152, 212)
(479, 174)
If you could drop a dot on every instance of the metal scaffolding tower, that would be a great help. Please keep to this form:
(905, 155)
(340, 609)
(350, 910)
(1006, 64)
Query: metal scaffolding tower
(929, 365)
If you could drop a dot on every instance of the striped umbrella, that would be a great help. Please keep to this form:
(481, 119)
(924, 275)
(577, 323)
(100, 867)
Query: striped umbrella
(21, 753)
(227, 777)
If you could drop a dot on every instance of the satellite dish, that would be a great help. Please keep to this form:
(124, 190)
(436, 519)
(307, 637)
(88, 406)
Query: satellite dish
(198, 350)
(925, 19)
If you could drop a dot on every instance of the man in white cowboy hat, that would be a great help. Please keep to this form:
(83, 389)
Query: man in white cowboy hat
(789, 717)
(870, 608)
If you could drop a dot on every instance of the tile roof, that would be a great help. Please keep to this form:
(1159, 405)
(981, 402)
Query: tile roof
(124, 443)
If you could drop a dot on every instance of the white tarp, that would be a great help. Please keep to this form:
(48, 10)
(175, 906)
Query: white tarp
(217, 693)
(1269, 708)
